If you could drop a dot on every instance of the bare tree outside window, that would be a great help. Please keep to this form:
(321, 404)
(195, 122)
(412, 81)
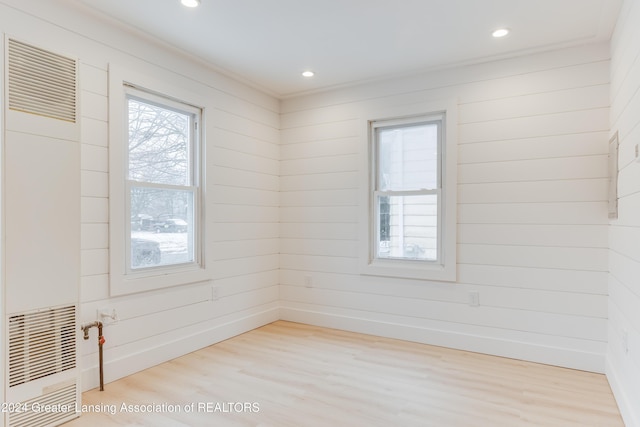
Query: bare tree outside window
(161, 183)
(158, 144)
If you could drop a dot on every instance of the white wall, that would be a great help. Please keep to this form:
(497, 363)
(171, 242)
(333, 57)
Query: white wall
(241, 193)
(532, 233)
(532, 213)
(623, 367)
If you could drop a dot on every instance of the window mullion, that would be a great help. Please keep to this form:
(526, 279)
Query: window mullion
(424, 192)
(132, 183)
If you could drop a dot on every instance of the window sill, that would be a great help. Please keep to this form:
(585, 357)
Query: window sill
(410, 269)
(141, 281)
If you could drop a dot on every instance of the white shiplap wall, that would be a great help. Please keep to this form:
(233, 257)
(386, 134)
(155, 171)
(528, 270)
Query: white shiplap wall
(623, 367)
(242, 196)
(532, 213)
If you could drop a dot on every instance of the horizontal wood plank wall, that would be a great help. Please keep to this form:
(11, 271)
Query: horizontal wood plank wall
(532, 213)
(623, 356)
(242, 197)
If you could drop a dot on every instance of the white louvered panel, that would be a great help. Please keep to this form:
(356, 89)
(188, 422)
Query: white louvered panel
(41, 82)
(41, 343)
(61, 404)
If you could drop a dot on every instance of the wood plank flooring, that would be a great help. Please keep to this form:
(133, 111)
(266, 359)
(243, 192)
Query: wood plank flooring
(288, 374)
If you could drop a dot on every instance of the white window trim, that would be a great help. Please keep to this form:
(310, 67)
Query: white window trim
(446, 269)
(122, 281)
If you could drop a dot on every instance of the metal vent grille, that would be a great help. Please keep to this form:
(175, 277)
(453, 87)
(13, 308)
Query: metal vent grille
(41, 343)
(41, 82)
(62, 404)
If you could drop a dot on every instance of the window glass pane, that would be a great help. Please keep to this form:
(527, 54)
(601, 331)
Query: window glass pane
(408, 157)
(408, 227)
(161, 227)
(159, 147)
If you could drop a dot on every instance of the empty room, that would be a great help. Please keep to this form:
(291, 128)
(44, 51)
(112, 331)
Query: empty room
(337, 213)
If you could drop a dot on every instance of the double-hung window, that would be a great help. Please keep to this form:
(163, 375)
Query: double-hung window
(412, 218)
(162, 182)
(157, 139)
(407, 188)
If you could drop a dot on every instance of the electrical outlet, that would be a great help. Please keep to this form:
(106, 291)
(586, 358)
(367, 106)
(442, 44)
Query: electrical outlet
(215, 293)
(624, 341)
(308, 281)
(108, 316)
(637, 153)
(474, 298)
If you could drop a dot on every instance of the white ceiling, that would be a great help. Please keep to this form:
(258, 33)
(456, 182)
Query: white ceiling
(270, 42)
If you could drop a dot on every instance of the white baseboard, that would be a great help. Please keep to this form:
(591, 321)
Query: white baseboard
(119, 368)
(122, 367)
(563, 357)
(630, 412)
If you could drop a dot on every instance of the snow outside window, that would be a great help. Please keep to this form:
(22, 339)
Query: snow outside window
(162, 188)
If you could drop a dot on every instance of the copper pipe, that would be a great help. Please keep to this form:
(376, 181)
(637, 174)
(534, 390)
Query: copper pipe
(101, 340)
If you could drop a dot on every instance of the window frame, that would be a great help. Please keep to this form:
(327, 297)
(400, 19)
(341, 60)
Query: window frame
(124, 84)
(194, 172)
(376, 127)
(444, 268)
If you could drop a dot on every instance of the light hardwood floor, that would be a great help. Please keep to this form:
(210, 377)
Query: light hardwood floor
(289, 374)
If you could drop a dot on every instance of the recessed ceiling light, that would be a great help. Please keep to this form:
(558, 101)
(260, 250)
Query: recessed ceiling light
(308, 73)
(190, 3)
(500, 32)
